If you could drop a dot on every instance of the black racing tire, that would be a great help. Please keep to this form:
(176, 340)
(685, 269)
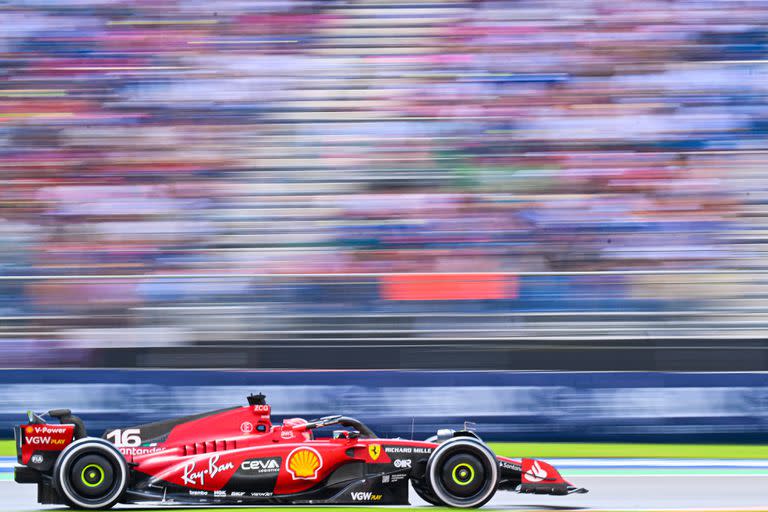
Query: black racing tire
(91, 474)
(463, 473)
(425, 493)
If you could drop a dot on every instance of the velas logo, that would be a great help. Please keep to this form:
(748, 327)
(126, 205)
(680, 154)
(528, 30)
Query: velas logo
(374, 450)
(303, 463)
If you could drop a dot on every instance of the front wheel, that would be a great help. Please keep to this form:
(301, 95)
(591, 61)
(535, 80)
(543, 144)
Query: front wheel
(463, 472)
(91, 474)
(423, 491)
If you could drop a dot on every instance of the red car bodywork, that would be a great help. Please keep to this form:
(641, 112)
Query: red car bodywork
(237, 455)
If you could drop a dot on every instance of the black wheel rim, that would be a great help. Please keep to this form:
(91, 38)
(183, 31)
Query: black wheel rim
(92, 477)
(463, 475)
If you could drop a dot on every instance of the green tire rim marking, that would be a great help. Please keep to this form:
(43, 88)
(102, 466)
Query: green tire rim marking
(471, 474)
(95, 467)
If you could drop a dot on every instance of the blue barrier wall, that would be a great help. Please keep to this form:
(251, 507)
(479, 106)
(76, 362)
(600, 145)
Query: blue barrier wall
(722, 407)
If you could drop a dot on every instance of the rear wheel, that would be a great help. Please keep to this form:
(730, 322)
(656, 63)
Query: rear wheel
(463, 472)
(91, 474)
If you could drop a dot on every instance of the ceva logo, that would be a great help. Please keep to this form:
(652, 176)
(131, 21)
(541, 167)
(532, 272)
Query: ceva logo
(261, 465)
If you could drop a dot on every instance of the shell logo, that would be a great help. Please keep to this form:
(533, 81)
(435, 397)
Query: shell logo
(303, 463)
(29, 430)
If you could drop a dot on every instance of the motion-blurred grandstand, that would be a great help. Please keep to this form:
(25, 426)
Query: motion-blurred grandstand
(489, 184)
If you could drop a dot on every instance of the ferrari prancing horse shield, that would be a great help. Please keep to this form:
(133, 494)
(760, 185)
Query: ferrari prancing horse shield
(374, 450)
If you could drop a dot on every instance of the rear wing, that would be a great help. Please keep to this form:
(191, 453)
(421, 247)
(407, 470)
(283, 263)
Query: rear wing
(39, 443)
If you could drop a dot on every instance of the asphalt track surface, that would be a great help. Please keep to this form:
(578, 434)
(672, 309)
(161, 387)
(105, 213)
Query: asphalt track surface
(631, 490)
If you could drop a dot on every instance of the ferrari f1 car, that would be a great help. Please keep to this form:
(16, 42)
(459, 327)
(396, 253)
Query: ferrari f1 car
(237, 456)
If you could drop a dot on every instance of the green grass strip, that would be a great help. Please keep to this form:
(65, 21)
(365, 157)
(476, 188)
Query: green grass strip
(595, 450)
(7, 448)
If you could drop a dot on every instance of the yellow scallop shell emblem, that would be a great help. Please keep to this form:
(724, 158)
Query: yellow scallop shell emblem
(303, 463)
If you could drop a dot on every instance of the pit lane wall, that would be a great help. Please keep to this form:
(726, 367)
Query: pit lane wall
(506, 406)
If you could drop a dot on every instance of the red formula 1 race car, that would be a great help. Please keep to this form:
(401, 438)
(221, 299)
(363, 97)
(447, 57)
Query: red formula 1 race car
(237, 456)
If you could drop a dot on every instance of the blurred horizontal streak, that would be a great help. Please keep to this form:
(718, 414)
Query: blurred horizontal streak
(163, 22)
(112, 68)
(595, 334)
(648, 272)
(440, 314)
(243, 41)
(181, 176)
(32, 93)
(547, 343)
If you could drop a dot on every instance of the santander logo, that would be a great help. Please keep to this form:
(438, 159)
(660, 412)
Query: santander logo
(536, 473)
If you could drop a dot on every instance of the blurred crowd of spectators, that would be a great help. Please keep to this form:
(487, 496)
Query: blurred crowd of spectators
(325, 136)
